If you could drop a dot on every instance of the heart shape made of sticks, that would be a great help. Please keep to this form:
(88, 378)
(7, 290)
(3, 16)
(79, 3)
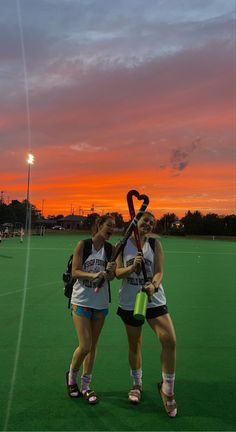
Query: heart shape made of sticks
(140, 197)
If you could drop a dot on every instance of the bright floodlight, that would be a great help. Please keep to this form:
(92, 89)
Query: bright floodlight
(30, 159)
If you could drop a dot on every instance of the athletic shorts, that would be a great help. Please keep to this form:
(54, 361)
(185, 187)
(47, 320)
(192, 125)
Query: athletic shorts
(128, 318)
(87, 312)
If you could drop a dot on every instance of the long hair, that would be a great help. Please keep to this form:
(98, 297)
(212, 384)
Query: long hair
(99, 222)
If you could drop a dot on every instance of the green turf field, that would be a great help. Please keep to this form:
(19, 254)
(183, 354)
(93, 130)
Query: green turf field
(36, 347)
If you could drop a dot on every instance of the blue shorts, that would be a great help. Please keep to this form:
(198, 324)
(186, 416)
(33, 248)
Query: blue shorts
(90, 313)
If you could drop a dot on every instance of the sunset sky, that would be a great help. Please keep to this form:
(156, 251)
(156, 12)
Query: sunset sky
(113, 95)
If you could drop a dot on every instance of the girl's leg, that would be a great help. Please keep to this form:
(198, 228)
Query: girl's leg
(83, 329)
(84, 333)
(96, 327)
(164, 329)
(134, 335)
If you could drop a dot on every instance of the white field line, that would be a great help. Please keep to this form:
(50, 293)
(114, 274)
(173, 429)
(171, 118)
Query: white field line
(199, 252)
(32, 287)
(11, 387)
(33, 248)
(165, 251)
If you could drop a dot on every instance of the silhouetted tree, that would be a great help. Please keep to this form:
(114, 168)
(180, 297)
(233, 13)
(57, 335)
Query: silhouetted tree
(164, 223)
(91, 218)
(15, 212)
(119, 221)
(4, 213)
(60, 216)
(230, 225)
(192, 222)
(212, 224)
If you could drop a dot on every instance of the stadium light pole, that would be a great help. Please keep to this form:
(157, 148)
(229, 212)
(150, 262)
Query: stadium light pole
(30, 161)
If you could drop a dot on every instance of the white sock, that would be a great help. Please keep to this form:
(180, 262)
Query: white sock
(168, 384)
(136, 374)
(85, 382)
(72, 378)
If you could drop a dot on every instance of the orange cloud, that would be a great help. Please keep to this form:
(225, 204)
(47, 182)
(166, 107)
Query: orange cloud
(207, 188)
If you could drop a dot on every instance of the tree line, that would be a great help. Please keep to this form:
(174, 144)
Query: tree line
(193, 223)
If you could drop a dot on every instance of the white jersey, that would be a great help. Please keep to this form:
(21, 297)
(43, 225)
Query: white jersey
(83, 293)
(132, 284)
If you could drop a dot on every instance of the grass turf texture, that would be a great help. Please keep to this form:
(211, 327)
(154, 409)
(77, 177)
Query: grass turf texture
(199, 281)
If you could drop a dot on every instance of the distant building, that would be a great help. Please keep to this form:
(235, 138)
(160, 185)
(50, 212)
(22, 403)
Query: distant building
(72, 222)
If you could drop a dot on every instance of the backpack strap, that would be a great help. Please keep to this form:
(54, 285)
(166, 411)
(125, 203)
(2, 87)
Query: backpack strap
(88, 243)
(108, 250)
(108, 253)
(86, 253)
(69, 264)
(87, 249)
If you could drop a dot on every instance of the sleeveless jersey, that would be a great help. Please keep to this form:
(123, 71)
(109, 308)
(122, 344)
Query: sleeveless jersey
(83, 293)
(132, 284)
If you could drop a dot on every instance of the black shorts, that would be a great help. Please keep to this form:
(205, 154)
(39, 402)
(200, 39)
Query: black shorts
(128, 318)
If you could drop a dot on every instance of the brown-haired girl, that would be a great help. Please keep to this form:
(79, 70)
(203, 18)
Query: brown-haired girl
(89, 308)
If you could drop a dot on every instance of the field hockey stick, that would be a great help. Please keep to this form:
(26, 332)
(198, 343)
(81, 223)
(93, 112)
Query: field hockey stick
(120, 246)
(142, 297)
(130, 195)
(136, 232)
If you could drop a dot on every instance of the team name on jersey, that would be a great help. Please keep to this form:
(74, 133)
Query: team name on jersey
(94, 262)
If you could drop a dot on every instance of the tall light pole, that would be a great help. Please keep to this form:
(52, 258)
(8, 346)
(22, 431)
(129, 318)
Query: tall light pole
(30, 162)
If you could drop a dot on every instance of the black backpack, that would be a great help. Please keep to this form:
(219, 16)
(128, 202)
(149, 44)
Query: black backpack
(67, 277)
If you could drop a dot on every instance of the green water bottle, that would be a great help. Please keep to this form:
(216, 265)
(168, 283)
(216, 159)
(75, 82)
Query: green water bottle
(140, 305)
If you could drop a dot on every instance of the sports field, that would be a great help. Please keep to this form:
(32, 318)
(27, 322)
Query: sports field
(37, 340)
